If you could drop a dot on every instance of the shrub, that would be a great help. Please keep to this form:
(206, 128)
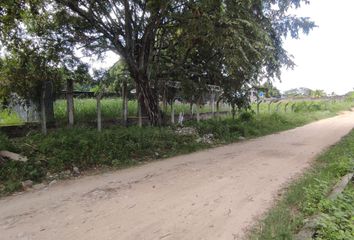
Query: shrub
(246, 116)
(5, 143)
(336, 220)
(8, 118)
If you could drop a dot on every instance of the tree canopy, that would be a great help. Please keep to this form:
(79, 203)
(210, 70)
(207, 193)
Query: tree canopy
(228, 43)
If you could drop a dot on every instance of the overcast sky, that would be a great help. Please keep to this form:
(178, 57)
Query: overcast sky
(325, 57)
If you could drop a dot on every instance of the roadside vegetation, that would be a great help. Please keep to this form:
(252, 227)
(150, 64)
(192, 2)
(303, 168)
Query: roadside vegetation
(307, 197)
(85, 109)
(84, 148)
(337, 217)
(164, 55)
(163, 52)
(8, 118)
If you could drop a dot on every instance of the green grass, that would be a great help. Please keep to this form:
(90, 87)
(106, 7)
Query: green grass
(307, 196)
(118, 147)
(306, 106)
(337, 217)
(8, 118)
(85, 148)
(85, 109)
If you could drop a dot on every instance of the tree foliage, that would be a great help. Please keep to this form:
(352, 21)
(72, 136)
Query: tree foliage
(24, 71)
(118, 75)
(305, 92)
(36, 48)
(230, 43)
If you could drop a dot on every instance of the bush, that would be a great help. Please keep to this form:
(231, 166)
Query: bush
(86, 148)
(337, 218)
(313, 195)
(246, 116)
(117, 146)
(5, 143)
(8, 118)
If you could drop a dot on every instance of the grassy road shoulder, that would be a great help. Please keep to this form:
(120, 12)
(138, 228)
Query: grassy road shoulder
(307, 197)
(63, 150)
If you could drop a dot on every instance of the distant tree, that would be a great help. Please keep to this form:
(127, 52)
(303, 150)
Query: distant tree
(28, 72)
(119, 80)
(28, 29)
(269, 90)
(238, 99)
(291, 93)
(73, 71)
(118, 75)
(298, 92)
(318, 93)
(350, 96)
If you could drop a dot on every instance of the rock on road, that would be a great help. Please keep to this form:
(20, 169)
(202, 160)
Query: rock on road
(212, 194)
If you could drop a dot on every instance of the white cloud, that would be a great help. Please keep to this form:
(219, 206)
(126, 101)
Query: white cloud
(324, 58)
(110, 58)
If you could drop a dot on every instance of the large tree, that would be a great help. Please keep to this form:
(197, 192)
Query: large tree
(244, 37)
(132, 29)
(238, 45)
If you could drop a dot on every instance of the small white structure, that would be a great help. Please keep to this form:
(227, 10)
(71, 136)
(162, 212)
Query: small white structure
(181, 118)
(26, 110)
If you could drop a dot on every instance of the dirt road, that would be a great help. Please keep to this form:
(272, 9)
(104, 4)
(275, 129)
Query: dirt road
(213, 194)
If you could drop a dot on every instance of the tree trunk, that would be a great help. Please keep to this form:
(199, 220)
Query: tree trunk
(258, 106)
(139, 112)
(70, 101)
(140, 115)
(218, 109)
(99, 112)
(43, 110)
(150, 100)
(125, 103)
(233, 111)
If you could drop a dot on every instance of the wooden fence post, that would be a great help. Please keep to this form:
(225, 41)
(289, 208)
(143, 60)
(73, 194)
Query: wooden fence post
(125, 103)
(99, 112)
(197, 111)
(70, 101)
(258, 106)
(293, 107)
(140, 117)
(270, 103)
(278, 106)
(286, 107)
(43, 110)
